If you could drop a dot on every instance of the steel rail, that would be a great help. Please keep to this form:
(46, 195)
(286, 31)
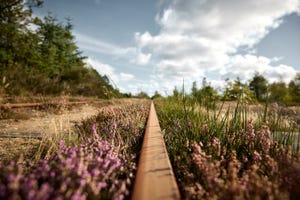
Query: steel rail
(30, 135)
(155, 178)
(31, 105)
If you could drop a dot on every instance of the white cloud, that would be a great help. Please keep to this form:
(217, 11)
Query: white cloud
(142, 59)
(184, 68)
(105, 69)
(150, 86)
(245, 66)
(126, 77)
(99, 46)
(200, 36)
(135, 55)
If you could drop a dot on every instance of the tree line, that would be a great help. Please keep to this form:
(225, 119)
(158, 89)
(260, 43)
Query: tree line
(40, 56)
(257, 89)
(260, 89)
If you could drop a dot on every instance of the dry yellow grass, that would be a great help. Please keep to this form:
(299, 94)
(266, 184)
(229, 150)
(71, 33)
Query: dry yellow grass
(51, 124)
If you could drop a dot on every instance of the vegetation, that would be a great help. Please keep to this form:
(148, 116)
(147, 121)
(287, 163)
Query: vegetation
(39, 56)
(294, 89)
(255, 90)
(156, 95)
(259, 86)
(220, 152)
(207, 95)
(260, 90)
(99, 164)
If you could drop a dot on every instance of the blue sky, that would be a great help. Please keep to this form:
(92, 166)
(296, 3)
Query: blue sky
(149, 45)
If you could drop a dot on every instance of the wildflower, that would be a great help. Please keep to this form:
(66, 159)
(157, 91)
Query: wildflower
(177, 123)
(197, 147)
(45, 191)
(62, 145)
(94, 129)
(95, 168)
(266, 130)
(78, 196)
(256, 156)
(251, 133)
(119, 197)
(217, 145)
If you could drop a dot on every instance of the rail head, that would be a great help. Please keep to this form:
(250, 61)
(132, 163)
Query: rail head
(31, 105)
(155, 178)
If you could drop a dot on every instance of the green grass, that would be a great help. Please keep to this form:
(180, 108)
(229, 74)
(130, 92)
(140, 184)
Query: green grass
(214, 146)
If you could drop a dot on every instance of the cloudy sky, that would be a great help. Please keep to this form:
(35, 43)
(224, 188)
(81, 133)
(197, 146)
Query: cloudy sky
(149, 45)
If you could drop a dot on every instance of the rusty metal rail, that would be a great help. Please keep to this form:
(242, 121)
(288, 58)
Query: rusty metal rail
(155, 178)
(31, 105)
(30, 135)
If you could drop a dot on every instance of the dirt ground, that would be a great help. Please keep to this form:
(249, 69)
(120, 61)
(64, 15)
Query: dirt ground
(37, 123)
(44, 122)
(14, 140)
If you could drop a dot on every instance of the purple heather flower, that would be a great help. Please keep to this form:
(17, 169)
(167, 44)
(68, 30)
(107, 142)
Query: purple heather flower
(94, 129)
(95, 163)
(52, 174)
(119, 197)
(251, 133)
(256, 156)
(60, 197)
(2, 190)
(78, 196)
(101, 185)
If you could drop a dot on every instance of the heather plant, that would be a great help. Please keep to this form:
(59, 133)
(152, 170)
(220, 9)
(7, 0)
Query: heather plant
(121, 125)
(92, 170)
(223, 154)
(100, 164)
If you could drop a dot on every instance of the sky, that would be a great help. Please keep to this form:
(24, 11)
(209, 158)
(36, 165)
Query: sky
(155, 45)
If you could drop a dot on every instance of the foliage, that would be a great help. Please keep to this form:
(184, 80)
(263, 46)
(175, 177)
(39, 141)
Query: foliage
(278, 92)
(143, 95)
(3, 85)
(294, 88)
(101, 165)
(258, 85)
(258, 89)
(91, 170)
(286, 94)
(236, 89)
(156, 95)
(176, 93)
(14, 18)
(220, 154)
(122, 125)
(44, 59)
(204, 95)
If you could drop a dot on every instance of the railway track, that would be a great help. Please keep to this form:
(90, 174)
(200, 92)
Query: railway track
(14, 129)
(155, 178)
(30, 135)
(34, 105)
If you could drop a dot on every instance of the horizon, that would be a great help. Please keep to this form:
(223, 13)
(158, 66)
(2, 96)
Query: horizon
(154, 45)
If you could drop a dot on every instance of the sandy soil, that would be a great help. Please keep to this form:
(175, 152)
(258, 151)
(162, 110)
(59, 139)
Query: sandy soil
(37, 123)
(42, 122)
